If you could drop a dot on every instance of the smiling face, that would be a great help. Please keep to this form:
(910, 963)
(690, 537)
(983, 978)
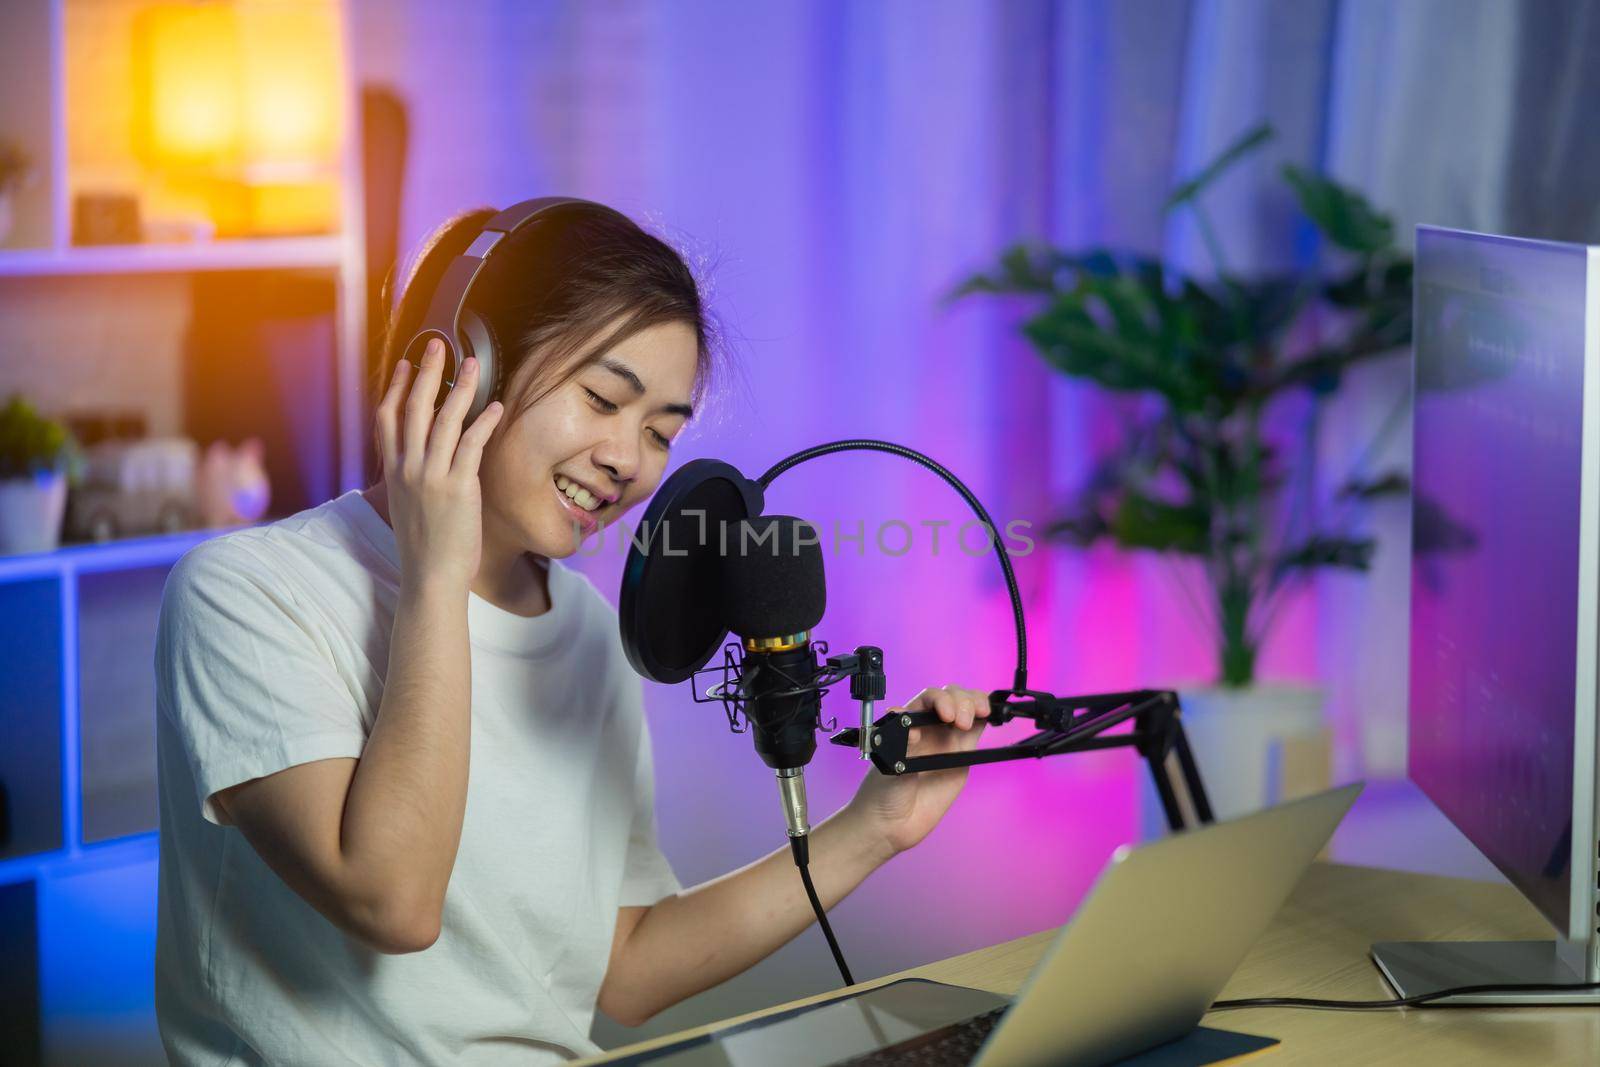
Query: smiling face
(592, 448)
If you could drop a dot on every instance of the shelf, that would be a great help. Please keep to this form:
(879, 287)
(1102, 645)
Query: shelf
(122, 851)
(212, 339)
(109, 556)
(261, 253)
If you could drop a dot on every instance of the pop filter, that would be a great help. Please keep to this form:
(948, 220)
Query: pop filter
(670, 609)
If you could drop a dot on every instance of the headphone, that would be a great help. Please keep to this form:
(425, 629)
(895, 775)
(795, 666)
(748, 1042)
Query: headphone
(466, 332)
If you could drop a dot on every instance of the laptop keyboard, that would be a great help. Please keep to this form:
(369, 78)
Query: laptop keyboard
(955, 1045)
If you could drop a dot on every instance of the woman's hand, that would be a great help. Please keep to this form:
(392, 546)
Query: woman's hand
(430, 472)
(903, 809)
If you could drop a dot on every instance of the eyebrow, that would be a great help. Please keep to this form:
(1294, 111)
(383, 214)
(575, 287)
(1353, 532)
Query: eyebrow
(623, 371)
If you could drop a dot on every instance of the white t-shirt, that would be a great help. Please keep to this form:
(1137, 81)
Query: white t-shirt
(272, 651)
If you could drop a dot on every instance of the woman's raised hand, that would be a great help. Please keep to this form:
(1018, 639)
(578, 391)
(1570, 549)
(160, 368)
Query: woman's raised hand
(904, 809)
(430, 471)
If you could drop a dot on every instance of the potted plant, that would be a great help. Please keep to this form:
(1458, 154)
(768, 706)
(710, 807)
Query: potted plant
(37, 455)
(1202, 473)
(15, 171)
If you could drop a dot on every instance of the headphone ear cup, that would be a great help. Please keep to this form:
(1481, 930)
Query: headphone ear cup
(483, 343)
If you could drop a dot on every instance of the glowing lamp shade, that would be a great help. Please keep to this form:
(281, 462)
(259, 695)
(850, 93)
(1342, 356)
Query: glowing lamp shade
(247, 97)
(188, 86)
(294, 84)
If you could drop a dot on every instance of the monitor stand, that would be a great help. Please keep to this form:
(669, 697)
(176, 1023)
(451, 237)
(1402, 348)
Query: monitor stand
(1416, 967)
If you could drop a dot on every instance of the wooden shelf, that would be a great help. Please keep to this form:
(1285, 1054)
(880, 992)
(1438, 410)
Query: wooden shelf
(262, 253)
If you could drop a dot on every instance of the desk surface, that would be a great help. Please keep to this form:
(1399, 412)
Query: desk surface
(1317, 947)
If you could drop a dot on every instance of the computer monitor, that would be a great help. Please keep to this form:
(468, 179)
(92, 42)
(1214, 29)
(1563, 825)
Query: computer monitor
(1505, 587)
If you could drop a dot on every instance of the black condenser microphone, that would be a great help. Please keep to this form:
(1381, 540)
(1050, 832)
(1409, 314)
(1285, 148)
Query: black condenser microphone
(682, 594)
(773, 594)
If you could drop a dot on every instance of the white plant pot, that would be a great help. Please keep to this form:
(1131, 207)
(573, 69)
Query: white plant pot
(1255, 746)
(30, 513)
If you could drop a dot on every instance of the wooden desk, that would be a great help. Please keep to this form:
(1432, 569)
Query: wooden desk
(1317, 947)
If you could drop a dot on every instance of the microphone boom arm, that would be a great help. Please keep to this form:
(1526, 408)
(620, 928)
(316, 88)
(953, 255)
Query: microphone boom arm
(1071, 724)
(1068, 724)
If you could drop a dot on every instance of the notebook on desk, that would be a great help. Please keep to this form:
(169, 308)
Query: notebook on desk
(1130, 976)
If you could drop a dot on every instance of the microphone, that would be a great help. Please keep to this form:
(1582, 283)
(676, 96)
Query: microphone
(682, 595)
(773, 593)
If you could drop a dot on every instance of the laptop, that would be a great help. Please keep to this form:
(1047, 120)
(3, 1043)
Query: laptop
(1164, 927)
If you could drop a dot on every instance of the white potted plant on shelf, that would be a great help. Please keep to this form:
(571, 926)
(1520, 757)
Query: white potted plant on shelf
(1198, 474)
(37, 456)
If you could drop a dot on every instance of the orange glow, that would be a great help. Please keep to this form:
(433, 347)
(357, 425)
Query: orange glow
(243, 102)
(187, 85)
(293, 110)
(310, 206)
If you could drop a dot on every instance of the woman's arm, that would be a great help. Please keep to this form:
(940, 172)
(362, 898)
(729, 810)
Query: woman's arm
(706, 935)
(371, 843)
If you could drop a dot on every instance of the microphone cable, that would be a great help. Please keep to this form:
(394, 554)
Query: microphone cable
(1019, 680)
(801, 848)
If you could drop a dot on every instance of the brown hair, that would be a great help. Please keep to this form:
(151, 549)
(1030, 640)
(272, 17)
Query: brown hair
(554, 292)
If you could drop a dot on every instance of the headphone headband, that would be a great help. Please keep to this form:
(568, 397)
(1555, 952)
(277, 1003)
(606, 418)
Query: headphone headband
(466, 333)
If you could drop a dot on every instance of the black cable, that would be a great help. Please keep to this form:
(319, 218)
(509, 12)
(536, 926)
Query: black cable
(801, 850)
(1420, 1000)
(1019, 680)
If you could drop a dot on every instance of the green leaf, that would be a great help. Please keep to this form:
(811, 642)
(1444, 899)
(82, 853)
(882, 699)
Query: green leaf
(1238, 330)
(1266, 307)
(1323, 370)
(1022, 269)
(1369, 283)
(31, 444)
(1390, 484)
(1112, 331)
(1320, 551)
(1083, 529)
(1041, 270)
(1214, 322)
(1144, 522)
(1341, 213)
(1248, 142)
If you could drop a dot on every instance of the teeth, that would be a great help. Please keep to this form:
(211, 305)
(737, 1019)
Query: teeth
(577, 493)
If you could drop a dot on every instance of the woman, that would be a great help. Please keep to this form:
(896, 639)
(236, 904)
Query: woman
(406, 784)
